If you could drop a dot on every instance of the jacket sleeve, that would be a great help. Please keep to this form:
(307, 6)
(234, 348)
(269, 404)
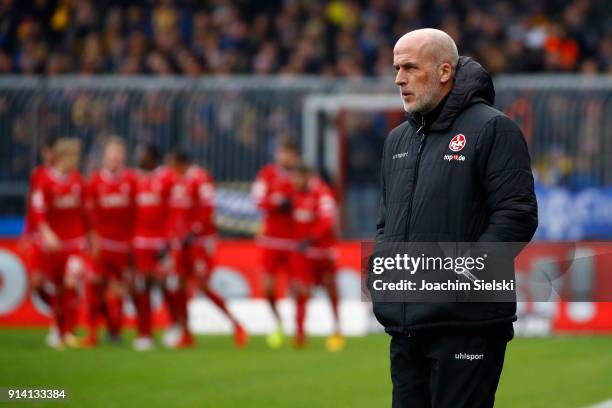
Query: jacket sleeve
(260, 193)
(204, 205)
(382, 206)
(504, 172)
(326, 216)
(40, 202)
(168, 181)
(28, 222)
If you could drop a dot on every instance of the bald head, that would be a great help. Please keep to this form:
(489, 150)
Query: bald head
(433, 44)
(425, 61)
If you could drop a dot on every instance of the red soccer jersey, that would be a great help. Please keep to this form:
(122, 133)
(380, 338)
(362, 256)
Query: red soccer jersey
(272, 187)
(314, 214)
(59, 201)
(152, 196)
(111, 204)
(38, 174)
(192, 204)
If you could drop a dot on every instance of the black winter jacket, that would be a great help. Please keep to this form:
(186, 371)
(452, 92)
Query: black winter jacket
(464, 177)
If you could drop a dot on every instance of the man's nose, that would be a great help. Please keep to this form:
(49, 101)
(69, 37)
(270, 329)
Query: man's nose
(399, 78)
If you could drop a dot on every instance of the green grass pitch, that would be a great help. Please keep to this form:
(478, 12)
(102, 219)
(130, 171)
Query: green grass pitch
(539, 372)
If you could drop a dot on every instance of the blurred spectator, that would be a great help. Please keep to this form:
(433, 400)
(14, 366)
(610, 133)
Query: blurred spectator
(365, 133)
(333, 38)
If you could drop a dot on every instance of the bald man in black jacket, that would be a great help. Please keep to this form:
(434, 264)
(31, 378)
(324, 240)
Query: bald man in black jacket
(457, 170)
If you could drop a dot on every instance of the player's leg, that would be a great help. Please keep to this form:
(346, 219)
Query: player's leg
(169, 277)
(180, 336)
(274, 262)
(76, 268)
(54, 271)
(40, 284)
(145, 263)
(325, 270)
(94, 298)
(33, 256)
(202, 266)
(71, 311)
(115, 291)
(141, 293)
(302, 294)
(301, 282)
(57, 307)
(169, 287)
(182, 299)
(103, 298)
(271, 260)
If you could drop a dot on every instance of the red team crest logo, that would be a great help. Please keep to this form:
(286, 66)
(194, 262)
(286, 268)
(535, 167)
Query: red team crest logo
(457, 143)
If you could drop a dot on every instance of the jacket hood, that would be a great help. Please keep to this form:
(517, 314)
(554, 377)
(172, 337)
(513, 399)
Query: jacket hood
(473, 84)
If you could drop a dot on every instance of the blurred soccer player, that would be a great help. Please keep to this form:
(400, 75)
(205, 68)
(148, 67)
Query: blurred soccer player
(312, 261)
(192, 242)
(272, 194)
(29, 244)
(153, 187)
(111, 196)
(58, 204)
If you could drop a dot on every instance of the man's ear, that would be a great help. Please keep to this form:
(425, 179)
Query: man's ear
(445, 72)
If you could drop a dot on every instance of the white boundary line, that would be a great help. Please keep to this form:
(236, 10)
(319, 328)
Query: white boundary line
(603, 404)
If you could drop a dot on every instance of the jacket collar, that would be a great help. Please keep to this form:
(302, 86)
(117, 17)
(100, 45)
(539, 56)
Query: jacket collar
(472, 84)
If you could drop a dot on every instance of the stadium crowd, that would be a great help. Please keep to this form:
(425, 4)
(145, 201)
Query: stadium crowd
(330, 38)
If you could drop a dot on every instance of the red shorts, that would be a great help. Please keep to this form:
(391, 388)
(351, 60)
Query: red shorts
(309, 270)
(112, 264)
(193, 261)
(61, 264)
(146, 254)
(275, 261)
(322, 267)
(32, 256)
(301, 269)
(146, 261)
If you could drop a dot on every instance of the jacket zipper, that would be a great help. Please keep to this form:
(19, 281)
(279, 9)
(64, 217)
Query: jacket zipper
(416, 175)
